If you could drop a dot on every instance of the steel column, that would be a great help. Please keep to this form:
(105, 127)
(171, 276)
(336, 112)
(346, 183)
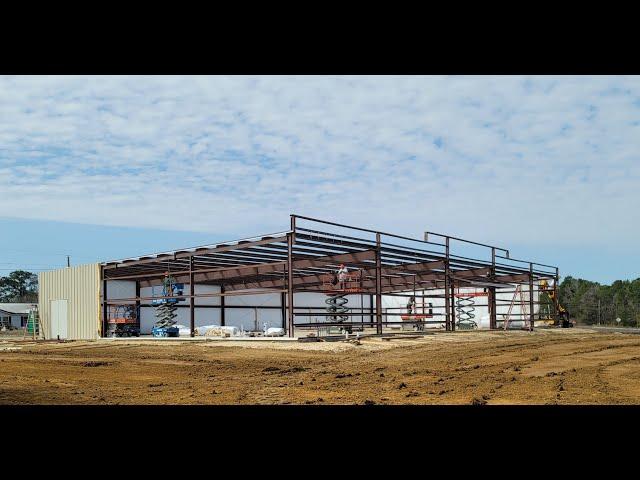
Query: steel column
(105, 325)
(222, 307)
(531, 316)
(283, 309)
(371, 309)
(556, 299)
(447, 308)
(493, 314)
(378, 285)
(192, 291)
(453, 307)
(138, 310)
(290, 277)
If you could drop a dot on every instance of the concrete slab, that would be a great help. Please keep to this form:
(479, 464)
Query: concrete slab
(150, 338)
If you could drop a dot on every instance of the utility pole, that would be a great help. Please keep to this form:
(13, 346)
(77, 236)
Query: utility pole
(598, 312)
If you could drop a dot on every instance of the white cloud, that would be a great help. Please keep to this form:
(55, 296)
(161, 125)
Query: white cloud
(505, 159)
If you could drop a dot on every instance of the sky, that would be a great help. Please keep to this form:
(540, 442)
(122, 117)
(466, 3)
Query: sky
(106, 167)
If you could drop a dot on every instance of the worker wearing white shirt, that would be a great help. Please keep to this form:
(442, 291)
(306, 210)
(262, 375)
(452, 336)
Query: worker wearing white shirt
(342, 275)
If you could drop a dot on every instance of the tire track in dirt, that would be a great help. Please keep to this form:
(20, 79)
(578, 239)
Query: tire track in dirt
(472, 367)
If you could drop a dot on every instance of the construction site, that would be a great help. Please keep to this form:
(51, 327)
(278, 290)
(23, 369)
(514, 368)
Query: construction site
(317, 279)
(321, 313)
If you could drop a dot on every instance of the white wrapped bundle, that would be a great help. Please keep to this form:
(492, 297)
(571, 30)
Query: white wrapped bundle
(203, 329)
(484, 322)
(274, 332)
(218, 331)
(183, 330)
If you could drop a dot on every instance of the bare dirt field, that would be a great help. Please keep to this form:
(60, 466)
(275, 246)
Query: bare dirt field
(572, 366)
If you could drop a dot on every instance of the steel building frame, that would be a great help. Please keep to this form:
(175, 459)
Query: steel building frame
(297, 259)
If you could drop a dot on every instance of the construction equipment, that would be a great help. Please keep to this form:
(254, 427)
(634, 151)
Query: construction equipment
(337, 287)
(561, 314)
(165, 307)
(414, 319)
(122, 321)
(465, 308)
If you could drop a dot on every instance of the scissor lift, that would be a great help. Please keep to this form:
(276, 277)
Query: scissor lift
(123, 321)
(465, 308)
(416, 319)
(337, 290)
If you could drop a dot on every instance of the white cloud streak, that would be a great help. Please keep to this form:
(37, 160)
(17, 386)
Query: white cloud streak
(505, 159)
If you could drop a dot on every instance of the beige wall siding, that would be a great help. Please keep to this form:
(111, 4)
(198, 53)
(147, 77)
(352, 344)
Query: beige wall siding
(80, 286)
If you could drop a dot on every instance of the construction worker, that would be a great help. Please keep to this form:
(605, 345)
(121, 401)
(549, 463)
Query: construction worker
(411, 305)
(166, 285)
(342, 275)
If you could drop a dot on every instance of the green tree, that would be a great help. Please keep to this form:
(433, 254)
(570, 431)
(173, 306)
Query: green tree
(19, 286)
(589, 302)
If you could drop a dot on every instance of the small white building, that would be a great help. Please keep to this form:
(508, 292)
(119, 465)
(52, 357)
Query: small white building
(14, 315)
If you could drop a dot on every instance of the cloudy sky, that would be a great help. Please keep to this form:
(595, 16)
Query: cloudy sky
(549, 166)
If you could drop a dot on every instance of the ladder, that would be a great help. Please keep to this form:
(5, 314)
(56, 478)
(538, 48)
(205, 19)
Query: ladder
(523, 306)
(33, 326)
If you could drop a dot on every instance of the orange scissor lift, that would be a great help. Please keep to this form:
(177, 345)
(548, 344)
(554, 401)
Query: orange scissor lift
(337, 290)
(416, 318)
(123, 321)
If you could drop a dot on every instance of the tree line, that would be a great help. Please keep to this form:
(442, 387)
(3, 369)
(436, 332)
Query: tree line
(592, 303)
(19, 287)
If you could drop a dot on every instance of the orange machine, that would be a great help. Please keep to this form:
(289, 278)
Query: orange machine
(123, 320)
(352, 283)
(417, 315)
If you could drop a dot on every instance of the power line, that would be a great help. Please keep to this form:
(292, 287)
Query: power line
(48, 267)
(26, 264)
(45, 254)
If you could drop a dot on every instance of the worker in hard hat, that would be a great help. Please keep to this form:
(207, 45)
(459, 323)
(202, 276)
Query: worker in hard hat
(342, 275)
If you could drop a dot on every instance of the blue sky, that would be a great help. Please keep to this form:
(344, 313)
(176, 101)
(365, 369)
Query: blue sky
(108, 167)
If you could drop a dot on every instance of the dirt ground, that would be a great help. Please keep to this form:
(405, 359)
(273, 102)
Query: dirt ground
(572, 366)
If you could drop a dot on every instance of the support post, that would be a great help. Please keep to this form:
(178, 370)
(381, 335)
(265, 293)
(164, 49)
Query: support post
(222, 307)
(556, 299)
(138, 312)
(371, 310)
(531, 316)
(453, 307)
(283, 309)
(447, 308)
(192, 291)
(105, 307)
(378, 285)
(493, 314)
(290, 278)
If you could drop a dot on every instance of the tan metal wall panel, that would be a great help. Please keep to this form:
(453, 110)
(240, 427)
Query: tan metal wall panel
(80, 286)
